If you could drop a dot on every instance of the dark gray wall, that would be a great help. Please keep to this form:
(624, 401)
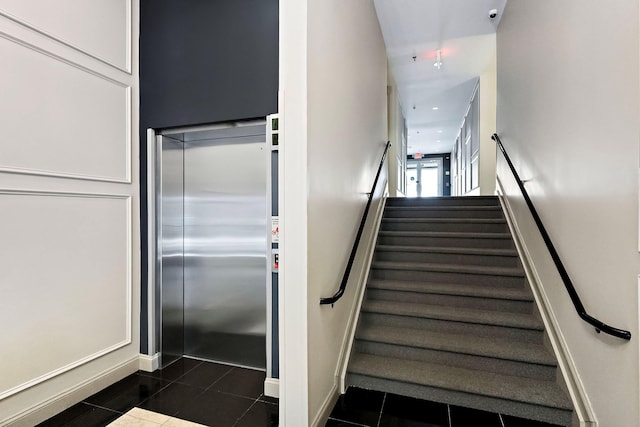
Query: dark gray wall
(201, 62)
(204, 61)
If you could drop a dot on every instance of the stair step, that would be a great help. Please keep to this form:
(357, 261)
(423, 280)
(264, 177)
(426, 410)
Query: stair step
(448, 289)
(440, 201)
(513, 395)
(451, 268)
(448, 273)
(448, 255)
(472, 352)
(446, 239)
(454, 295)
(468, 211)
(499, 348)
(490, 225)
(455, 314)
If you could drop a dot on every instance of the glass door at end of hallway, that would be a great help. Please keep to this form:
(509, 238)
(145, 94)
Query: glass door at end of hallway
(424, 178)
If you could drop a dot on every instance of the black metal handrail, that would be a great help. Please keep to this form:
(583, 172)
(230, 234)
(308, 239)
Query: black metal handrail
(575, 298)
(347, 271)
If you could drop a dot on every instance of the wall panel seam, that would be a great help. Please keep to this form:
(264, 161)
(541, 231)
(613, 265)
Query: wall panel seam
(128, 56)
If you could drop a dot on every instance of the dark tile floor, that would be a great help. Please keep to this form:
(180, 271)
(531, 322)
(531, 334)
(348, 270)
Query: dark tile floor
(367, 408)
(220, 395)
(201, 392)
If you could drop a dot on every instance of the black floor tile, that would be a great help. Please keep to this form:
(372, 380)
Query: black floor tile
(359, 406)
(400, 411)
(241, 382)
(510, 421)
(67, 415)
(175, 370)
(171, 399)
(94, 416)
(127, 393)
(261, 414)
(204, 375)
(214, 409)
(463, 417)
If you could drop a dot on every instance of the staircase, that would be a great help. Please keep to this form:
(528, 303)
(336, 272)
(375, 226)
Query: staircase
(448, 314)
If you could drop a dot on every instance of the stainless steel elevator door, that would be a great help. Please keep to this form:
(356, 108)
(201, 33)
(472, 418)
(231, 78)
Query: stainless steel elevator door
(170, 207)
(225, 229)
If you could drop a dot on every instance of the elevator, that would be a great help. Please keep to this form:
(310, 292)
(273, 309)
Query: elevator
(211, 243)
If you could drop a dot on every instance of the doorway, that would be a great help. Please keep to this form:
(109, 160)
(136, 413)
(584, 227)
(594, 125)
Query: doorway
(424, 177)
(211, 243)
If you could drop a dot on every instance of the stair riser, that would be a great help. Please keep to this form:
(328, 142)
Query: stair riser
(445, 242)
(452, 301)
(474, 227)
(498, 366)
(444, 326)
(447, 277)
(443, 201)
(485, 403)
(447, 258)
(392, 212)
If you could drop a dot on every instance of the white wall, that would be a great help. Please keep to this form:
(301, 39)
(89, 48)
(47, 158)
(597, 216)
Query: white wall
(396, 129)
(333, 110)
(487, 160)
(69, 240)
(347, 129)
(568, 116)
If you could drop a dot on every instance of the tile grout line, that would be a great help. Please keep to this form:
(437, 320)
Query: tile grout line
(351, 423)
(245, 412)
(216, 381)
(102, 407)
(384, 399)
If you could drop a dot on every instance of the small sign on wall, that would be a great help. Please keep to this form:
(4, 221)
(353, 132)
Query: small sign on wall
(275, 229)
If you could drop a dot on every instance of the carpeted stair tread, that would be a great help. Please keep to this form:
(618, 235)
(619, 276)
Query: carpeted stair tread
(443, 208)
(493, 292)
(448, 234)
(446, 220)
(494, 347)
(449, 268)
(512, 388)
(455, 314)
(443, 200)
(448, 250)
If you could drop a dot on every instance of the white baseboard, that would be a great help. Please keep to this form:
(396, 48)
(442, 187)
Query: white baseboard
(327, 406)
(56, 404)
(577, 392)
(149, 363)
(272, 387)
(347, 343)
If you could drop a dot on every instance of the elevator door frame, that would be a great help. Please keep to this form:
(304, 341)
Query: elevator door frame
(154, 295)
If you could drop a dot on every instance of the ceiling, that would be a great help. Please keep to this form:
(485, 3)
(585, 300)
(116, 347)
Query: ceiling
(413, 31)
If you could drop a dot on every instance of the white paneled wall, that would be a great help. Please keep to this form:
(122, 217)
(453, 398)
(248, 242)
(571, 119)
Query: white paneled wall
(69, 198)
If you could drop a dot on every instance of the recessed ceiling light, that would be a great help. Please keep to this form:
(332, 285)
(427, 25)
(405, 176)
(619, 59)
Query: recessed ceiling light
(435, 108)
(438, 140)
(439, 131)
